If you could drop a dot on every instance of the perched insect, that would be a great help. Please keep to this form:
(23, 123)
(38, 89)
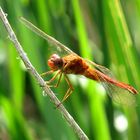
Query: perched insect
(74, 64)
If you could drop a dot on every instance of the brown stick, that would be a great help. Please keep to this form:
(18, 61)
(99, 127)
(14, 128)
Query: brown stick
(38, 78)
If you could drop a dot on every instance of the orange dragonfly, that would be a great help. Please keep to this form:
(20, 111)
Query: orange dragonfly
(74, 64)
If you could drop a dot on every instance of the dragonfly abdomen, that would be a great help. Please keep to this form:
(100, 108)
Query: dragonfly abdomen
(105, 78)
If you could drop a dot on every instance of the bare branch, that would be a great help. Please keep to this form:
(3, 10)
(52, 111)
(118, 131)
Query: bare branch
(38, 78)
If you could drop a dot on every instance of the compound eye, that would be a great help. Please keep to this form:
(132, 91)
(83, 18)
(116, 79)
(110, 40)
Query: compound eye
(51, 64)
(55, 62)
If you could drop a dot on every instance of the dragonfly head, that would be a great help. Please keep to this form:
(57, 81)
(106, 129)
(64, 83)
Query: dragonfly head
(55, 62)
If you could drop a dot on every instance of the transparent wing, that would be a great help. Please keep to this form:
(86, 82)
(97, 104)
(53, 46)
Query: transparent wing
(119, 95)
(58, 46)
(101, 68)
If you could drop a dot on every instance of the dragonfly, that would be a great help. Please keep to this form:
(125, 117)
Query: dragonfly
(72, 63)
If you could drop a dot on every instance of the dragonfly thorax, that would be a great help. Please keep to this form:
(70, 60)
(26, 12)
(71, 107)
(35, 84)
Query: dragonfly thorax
(55, 62)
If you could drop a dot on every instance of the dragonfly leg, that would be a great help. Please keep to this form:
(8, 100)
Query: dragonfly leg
(53, 78)
(56, 85)
(69, 91)
(46, 73)
(58, 82)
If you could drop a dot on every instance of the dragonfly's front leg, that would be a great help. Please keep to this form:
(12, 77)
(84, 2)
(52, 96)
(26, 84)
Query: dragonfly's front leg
(47, 73)
(53, 78)
(59, 72)
(69, 91)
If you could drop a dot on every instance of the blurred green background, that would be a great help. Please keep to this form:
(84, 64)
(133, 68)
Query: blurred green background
(107, 32)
